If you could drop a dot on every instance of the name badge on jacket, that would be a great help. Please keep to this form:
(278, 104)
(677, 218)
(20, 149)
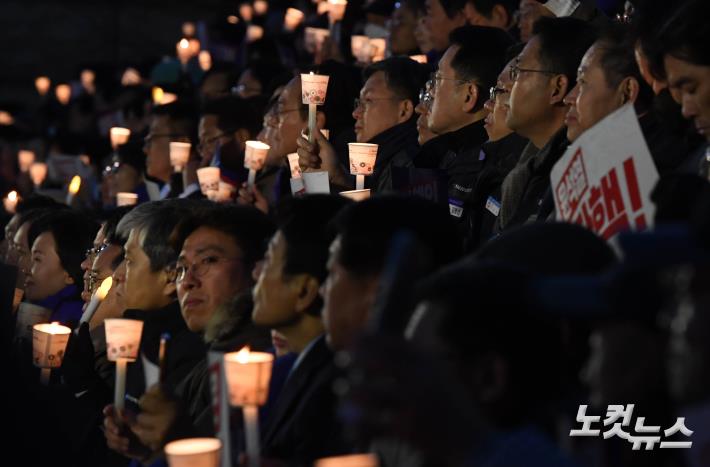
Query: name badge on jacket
(493, 205)
(455, 207)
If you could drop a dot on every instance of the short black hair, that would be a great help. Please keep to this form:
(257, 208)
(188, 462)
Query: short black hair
(181, 116)
(480, 56)
(563, 42)
(367, 229)
(485, 7)
(452, 7)
(685, 35)
(249, 227)
(404, 76)
(132, 154)
(618, 62)
(234, 113)
(35, 201)
(111, 225)
(73, 234)
(271, 75)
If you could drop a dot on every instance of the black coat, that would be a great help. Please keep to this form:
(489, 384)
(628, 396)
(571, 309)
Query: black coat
(302, 425)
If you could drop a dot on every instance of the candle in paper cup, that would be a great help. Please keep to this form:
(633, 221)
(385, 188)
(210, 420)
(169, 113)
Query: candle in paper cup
(255, 155)
(10, 202)
(248, 375)
(179, 155)
(96, 299)
(254, 33)
(313, 88)
(356, 195)
(119, 135)
(322, 8)
(126, 199)
(419, 58)
(38, 172)
(362, 158)
(246, 12)
(204, 58)
(63, 93)
(25, 158)
(261, 7)
(158, 94)
(182, 48)
(49, 341)
(293, 165)
(28, 315)
(352, 460)
(194, 452)
(336, 10)
(208, 177)
(123, 338)
(42, 84)
(292, 19)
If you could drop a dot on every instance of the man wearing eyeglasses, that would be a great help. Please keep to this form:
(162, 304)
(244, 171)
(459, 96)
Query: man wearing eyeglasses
(543, 74)
(467, 70)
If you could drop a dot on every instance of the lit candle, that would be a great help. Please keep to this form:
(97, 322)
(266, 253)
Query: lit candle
(292, 19)
(119, 136)
(123, 337)
(193, 452)
(260, 7)
(63, 93)
(25, 158)
(158, 95)
(254, 158)
(205, 60)
(126, 199)
(362, 161)
(49, 341)
(183, 50)
(38, 172)
(10, 202)
(336, 10)
(208, 178)
(96, 300)
(246, 12)
(74, 187)
(254, 33)
(313, 91)
(248, 375)
(179, 155)
(352, 460)
(42, 84)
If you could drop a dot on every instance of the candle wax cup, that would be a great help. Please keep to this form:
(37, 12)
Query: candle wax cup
(313, 88)
(123, 337)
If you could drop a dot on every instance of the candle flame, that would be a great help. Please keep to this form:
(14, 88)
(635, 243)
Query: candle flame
(104, 288)
(184, 43)
(12, 196)
(158, 95)
(75, 185)
(243, 355)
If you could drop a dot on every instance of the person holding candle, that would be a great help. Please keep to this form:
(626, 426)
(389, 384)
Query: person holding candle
(302, 424)
(384, 115)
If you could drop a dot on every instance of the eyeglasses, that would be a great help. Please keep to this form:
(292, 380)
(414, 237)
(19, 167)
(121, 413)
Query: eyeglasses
(425, 94)
(435, 78)
(112, 168)
(494, 91)
(366, 102)
(207, 142)
(96, 250)
(200, 267)
(515, 71)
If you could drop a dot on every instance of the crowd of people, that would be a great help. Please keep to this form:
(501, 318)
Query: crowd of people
(447, 319)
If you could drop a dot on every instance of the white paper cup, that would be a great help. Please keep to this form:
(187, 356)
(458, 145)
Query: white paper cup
(123, 338)
(126, 199)
(248, 380)
(255, 155)
(293, 165)
(357, 195)
(313, 88)
(261, 7)
(419, 58)
(179, 154)
(194, 452)
(208, 178)
(292, 19)
(362, 158)
(352, 460)
(38, 172)
(254, 33)
(119, 136)
(314, 37)
(336, 10)
(49, 341)
(27, 316)
(25, 159)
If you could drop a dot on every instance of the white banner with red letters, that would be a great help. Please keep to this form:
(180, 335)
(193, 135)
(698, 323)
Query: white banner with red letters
(605, 178)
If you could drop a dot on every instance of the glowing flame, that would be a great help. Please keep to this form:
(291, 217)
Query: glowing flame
(158, 95)
(12, 196)
(184, 43)
(103, 289)
(75, 185)
(243, 355)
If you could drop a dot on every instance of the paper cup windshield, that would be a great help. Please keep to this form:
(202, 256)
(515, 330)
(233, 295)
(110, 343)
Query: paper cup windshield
(255, 155)
(49, 341)
(209, 179)
(362, 158)
(314, 88)
(123, 338)
(179, 154)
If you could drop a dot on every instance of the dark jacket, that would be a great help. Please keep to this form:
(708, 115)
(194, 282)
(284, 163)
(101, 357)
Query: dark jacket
(303, 426)
(397, 147)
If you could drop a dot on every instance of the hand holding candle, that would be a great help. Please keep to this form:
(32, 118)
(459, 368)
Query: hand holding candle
(313, 91)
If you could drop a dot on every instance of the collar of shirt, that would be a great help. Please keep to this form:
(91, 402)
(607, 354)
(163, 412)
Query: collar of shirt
(302, 356)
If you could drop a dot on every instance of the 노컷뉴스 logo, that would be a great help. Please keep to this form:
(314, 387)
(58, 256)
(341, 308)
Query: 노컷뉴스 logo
(618, 423)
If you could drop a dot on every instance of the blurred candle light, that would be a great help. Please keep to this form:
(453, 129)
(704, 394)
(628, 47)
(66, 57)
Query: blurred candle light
(419, 58)
(10, 202)
(352, 460)
(246, 12)
(63, 93)
(131, 77)
(188, 29)
(6, 118)
(49, 341)
(96, 300)
(25, 158)
(193, 452)
(88, 81)
(42, 84)
(336, 10)
(232, 19)
(292, 19)
(119, 136)
(38, 172)
(205, 60)
(254, 33)
(261, 7)
(74, 187)
(183, 50)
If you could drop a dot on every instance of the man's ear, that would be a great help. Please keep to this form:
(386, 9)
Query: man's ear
(169, 278)
(68, 279)
(307, 291)
(406, 110)
(629, 90)
(500, 17)
(560, 88)
(471, 98)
